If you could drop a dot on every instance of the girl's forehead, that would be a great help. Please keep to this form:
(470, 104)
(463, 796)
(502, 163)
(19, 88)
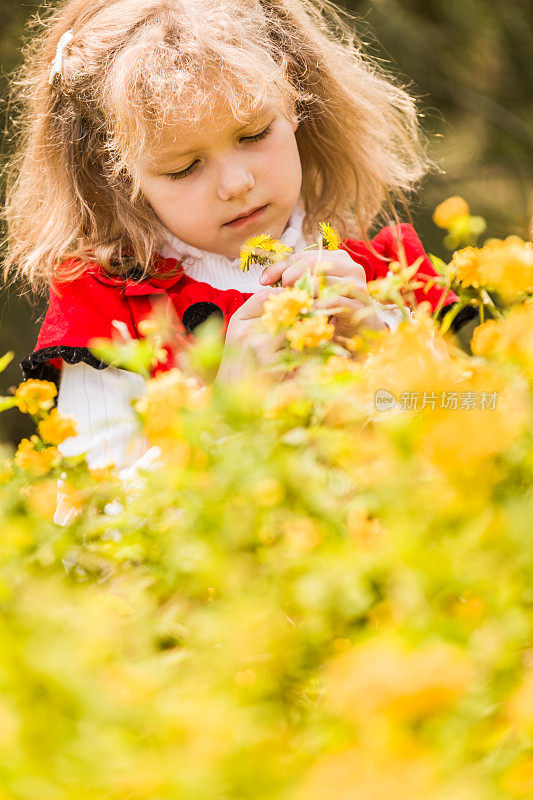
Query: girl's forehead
(173, 136)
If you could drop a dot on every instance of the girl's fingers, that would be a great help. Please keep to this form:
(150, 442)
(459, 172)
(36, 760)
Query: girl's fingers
(253, 307)
(352, 313)
(332, 262)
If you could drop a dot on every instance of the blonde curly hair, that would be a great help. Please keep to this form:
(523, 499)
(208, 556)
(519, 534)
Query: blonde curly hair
(134, 66)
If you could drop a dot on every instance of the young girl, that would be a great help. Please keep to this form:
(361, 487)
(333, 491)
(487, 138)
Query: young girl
(157, 136)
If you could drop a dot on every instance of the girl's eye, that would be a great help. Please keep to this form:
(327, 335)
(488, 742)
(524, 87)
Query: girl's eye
(175, 176)
(256, 137)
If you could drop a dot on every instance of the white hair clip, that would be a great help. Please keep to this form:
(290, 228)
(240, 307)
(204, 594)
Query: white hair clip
(57, 66)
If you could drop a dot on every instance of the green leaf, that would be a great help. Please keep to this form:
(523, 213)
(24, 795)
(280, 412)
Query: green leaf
(6, 360)
(135, 356)
(449, 317)
(7, 402)
(306, 283)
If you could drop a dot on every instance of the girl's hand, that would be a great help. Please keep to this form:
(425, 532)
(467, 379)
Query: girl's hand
(336, 267)
(244, 329)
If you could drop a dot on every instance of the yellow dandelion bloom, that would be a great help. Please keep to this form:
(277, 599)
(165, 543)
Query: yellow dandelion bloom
(34, 397)
(262, 249)
(55, 428)
(283, 309)
(330, 238)
(310, 332)
(450, 210)
(36, 462)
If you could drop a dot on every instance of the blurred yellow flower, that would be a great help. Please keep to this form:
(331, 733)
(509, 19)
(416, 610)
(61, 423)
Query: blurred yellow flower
(363, 773)
(284, 396)
(338, 366)
(518, 778)
(166, 395)
(283, 309)
(508, 339)
(384, 677)
(449, 210)
(310, 332)
(302, 534)
(36, 462)
(465, 266)
(520, 704)
(486, 338)
(330, 238)
(267, 492)
(502, 264)
(35, 397)
(55, 428)
(507, 266)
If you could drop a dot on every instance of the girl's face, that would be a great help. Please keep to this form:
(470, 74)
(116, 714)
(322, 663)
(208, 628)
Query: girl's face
(197, 182)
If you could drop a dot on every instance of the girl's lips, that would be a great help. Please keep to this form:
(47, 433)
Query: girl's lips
(239, 223)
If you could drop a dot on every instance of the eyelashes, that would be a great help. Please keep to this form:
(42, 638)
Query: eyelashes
(176, 176)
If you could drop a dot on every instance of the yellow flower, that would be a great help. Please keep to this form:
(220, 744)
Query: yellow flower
(486, 338)
(283, 309)
(507, 265)
(449, 210)
(508, 340)
(330, 238)
(310, 332)
(34, 397)
(339, 367)
(465, 266)
(518, 778)
(55, 428)
(36, 462)
(287, 395)
(166, 395)
(359, 772)
(42, 497)
(302, 534)
(383, 677)
(520, 705)
(262, 249)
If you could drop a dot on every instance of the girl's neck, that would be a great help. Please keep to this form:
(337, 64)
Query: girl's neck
(222, 272)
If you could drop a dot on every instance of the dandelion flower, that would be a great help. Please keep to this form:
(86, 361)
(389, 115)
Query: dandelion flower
(330, 238)
(263, 250)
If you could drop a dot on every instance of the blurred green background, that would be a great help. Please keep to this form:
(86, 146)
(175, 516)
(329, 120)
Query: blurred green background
(468, 62)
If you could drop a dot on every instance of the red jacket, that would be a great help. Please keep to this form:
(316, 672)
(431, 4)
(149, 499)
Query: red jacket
(84, 308)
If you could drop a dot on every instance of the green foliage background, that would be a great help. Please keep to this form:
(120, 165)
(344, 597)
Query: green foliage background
(469, 63)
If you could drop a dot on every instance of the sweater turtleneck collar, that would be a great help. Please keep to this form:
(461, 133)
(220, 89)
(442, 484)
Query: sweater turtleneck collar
(222, 272)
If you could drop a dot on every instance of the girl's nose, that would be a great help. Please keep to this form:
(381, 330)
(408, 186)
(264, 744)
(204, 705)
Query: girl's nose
(235, 181)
